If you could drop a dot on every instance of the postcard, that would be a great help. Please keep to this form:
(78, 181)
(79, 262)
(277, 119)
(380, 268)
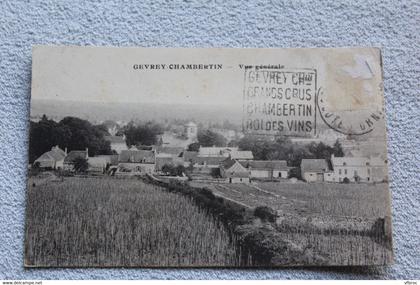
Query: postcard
(211, 157)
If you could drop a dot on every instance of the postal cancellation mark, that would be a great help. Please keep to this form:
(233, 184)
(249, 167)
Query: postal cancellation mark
(279, 102)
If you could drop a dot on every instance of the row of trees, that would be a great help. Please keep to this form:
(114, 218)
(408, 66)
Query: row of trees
(282, 148)
(142, 133)
(71, 133)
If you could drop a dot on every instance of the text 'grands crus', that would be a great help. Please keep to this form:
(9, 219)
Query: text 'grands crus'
(177, 66)
(280, 101)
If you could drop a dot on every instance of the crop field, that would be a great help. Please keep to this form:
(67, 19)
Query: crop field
(334, 224)
(107, 222)
(325, 199)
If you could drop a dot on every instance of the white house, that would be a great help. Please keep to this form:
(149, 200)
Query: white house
(52, 159)
(357, 169)
(378, 169)
(271, 169)
(313, 170)
(234, 172)
(191, 131)
(97, 164)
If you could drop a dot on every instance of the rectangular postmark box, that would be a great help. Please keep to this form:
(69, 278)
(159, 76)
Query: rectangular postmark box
(280, 102)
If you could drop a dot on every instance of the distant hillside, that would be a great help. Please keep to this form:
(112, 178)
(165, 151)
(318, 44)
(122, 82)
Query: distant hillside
(98, 112)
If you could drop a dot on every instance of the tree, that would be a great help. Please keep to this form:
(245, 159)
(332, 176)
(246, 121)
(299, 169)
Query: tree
(208, 138)
(143, 134)
(281, 148)
(81, 134)
(80, 165)
(168, 169)
(337, 149)
(215, 172)
(70, 132)
(194, 147)
(172, 170)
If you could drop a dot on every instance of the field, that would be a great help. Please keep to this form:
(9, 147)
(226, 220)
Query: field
(325, 199)
(107, 222)
(334, 224)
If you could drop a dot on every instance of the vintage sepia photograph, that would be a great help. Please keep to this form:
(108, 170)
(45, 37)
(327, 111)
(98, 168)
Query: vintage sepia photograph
(160, 157)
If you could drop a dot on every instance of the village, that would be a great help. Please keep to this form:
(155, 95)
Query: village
(173, 159)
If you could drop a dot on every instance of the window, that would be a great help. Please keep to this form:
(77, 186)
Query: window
(355, 173)
(344, 164)
(345, 171)
(279, 174)
(340, 180)
(339, 171)
(368, 171)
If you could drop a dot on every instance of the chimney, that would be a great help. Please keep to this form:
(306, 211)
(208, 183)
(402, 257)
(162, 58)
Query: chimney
(87, 153)
(65, 150)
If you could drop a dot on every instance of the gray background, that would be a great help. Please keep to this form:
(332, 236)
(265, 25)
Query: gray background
(393, 26)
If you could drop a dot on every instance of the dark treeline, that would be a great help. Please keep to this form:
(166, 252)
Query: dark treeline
(142, 133)
(283, 149)
(71, 133)
(209, 138)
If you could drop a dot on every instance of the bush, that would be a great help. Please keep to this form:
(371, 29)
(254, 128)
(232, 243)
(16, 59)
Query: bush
(346, 180)
(265, 214)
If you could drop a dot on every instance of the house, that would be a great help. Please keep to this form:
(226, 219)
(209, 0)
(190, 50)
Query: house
(191, 131)
(52, 159)
(136, 161)
(241, 155)
(313, 170)
(73, 155)
(378, 169)
(216, 151)
(179, 136)
(97, 164)
(358, 169)
(117, 143)
(206, 164)
(111, 159)
(270, 169)
(234, 172)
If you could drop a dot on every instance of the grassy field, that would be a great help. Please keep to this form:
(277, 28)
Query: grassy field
(108, 222)
(331, 224)
(325, 199)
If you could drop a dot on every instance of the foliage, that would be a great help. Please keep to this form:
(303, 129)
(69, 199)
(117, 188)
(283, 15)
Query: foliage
(80, 165)
(173, 170)
(282, 148)
(215, 172)
(71, 133)
(209, 138)
(265, 214)
(194, 147)
(143, 133)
